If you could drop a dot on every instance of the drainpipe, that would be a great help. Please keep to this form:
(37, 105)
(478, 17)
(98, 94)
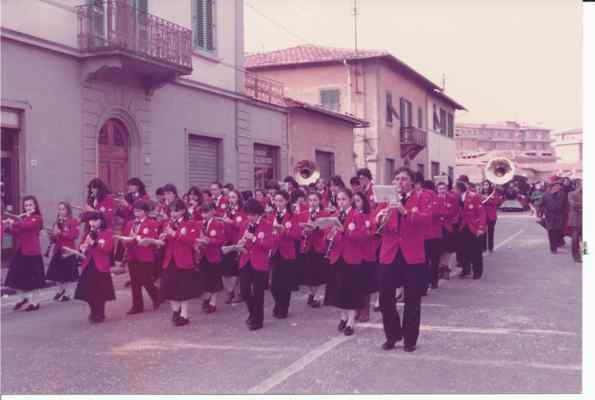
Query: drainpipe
(349, 89)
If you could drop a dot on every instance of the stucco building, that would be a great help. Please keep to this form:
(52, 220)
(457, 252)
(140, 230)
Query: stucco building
(568, 146)
(411, 120)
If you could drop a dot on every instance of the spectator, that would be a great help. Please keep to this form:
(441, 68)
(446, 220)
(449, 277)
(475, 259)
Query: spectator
(575, 222)
(554, 208)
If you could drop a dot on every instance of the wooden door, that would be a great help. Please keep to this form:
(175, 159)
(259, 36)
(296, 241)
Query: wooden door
(113, 145)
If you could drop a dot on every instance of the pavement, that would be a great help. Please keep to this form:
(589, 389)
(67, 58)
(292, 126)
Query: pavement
(517, 330)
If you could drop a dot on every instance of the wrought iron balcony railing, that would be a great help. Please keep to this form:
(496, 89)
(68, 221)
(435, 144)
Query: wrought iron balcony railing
(115, 25)
(264, 89)
(413, 140)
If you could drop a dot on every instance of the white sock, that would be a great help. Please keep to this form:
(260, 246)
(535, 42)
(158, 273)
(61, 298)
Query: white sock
(213, 300)
(175, 305)
(351, 318)
(184, 312)
(343, 315)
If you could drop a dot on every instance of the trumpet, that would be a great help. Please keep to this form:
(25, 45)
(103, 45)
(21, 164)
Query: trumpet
(331, 242)
(384, 219)
(60, 225)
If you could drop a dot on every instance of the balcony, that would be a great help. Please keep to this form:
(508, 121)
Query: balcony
(264, 89)
(115, 36)
(413, 140)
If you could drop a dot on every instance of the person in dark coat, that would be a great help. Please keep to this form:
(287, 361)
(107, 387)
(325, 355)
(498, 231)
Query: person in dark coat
(575, 215)
(554, 207)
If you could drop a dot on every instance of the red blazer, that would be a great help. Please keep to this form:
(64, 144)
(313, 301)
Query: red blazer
(221, 204)
(316, 238)
(257, 251)
(67, 236)
(126, 212)
(326, 199)
(101, 253)
(491, 207)
(410, 236)
(439, 213)
(451, 203)
(370, 242)
(107, 207)
(26, 233)
(285, 238)
(370, 195)
(473, 214)
(215, 231)
(180, 245)
(147, 229)
(348, 244)
(195, 214)
(232, 228)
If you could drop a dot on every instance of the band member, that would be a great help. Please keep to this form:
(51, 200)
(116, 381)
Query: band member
(321, 187)
(365, 179)
(234, 218)
(346, 288)
(370, 245)
(261, 196)
(403, 261)
(472, 226)
(141, 257)
(492, 200)
(99, 199)
(63, 267)
(298, 201)
(207, 197)
(313, 266)
(95, 284)
(219, 199)
(210, 240)
(228, 187)
(291, 183)
(434, 236)
(193, 202)
(26, 272)
(285, 269)
(355, 184)
(450, 227)
(330, 201)
(554, 209)
(180, 281)
(257, 240)
(160, 196)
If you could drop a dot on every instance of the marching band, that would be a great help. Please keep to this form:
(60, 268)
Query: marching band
(301, 232)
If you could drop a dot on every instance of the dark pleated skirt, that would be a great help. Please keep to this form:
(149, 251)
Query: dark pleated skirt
(211, 276)
(158, 266)
(63, 269)
(284, 274)
(95, 285)
(370, 272)
(180, 284)
(230, 265)
(449, 241)
(346, 287)
(141, 273)
(120, 251)
(313, 269)
(25, 273)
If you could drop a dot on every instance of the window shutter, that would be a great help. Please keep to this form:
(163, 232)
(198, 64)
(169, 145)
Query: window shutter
(203, 156)
(209, 26)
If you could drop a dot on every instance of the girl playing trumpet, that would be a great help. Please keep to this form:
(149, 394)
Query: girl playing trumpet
(210, 240)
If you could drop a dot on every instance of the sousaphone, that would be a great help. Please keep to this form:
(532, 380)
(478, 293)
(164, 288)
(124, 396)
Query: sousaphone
(306, 172)
(499, 170)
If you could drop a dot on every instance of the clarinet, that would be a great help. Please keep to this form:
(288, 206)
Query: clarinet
(331, 242)
(60, 224)
(313, 216)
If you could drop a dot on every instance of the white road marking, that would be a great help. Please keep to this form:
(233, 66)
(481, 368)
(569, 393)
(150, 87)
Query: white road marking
(297, 366)
(144, 345)
(508, 239)
(490, 363)
(487, 331)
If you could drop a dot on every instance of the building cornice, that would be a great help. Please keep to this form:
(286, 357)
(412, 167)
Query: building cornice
(35, 41)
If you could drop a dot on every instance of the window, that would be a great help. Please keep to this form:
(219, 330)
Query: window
(435, 169)
(389, 170)
(326, 162)
(450, 125)
(389, 108)
(420, 118)
(266, 164)
(435, 118)
(443, 122)
(331, 99)
(203, 160)
(203, 25)
(406, 113)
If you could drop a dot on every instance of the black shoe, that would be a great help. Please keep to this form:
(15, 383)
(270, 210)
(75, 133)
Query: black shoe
(342, 325)
(476, 276)
(32, 307)
(127, 284)
(65, 298)
(390, 344)
(310, 299)
(463, 275)
(376, 308)
(249, 321)
(175, 315)
(59, 294)
(348, 331)
(96, 319)
(20, 304)
(409, 349)
(315, 304)
(280, 315)
(254, 327)
(181, 321)
(133, 311)
(205, 304)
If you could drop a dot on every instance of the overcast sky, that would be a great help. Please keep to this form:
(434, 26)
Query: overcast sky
(503, 60)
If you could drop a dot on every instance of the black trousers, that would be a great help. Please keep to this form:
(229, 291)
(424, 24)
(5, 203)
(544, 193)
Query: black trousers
(555, 237)
(490, 235)
(97, 308)
(577, 237)
(252, 284)
(142, 275)
(471, 253)
(282, 300)
(434, 252)
(413, 278)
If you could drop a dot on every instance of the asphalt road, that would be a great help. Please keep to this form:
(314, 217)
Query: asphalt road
(517, 330)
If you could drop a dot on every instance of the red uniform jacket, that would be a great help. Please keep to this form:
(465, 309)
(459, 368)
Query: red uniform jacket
(409, 236)
(451, 203)
(215, 231)
(195, 214)
(101, 252)
(180, 245)
(147, 229)
(126, 212)
(370, 242)
(232, 228)
(316, 238)
(67, 235)
(491, 206)
(348, 244)
(439, 213)
(26, 233)
(257, 251)
(473, 214)
(221, 204)
(370, 195)
(106, 207)
(285, 237)
(327, 200)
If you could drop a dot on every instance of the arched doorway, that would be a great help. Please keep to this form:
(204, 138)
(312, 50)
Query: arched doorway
(113, 142)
